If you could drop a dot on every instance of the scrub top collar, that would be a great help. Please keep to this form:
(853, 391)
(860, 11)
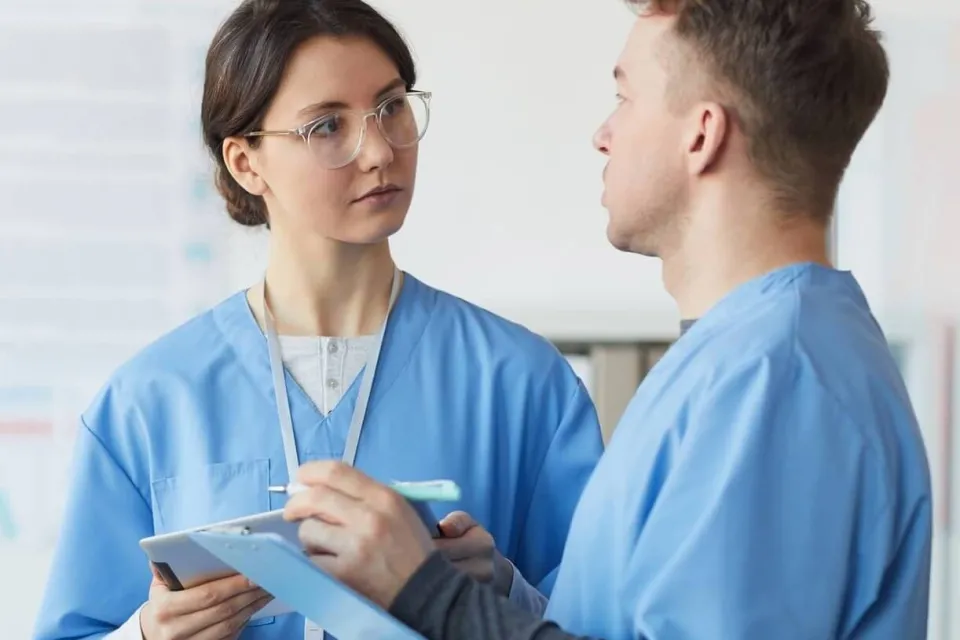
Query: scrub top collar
(751, 292)
(408, 322)
(367, 376)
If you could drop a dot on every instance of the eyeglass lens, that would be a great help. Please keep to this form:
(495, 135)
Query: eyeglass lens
(335, 137)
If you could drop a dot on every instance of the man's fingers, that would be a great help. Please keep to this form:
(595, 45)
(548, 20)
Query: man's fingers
(456, 524)
(330, 564)
(337, 475)
(319, 538)
(323, 503)
(339, 525)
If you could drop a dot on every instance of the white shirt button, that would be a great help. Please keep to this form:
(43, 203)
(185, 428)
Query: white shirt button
(332, 347)
(332, 383)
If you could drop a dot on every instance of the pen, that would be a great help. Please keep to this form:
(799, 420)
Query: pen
(290, 489)
(429, 491)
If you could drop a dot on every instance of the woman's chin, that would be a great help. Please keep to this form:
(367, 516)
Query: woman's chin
(372, 230)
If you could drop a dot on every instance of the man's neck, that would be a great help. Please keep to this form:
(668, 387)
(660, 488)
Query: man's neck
(325, 288)
(713, 260)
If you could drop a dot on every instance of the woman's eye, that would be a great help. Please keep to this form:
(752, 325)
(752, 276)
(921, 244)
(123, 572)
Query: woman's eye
(394, 107)
(327, 127)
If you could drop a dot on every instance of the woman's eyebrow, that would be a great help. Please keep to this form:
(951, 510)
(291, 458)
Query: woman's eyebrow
(339, 104)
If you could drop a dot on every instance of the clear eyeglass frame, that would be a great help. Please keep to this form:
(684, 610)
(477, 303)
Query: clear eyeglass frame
(304, 130)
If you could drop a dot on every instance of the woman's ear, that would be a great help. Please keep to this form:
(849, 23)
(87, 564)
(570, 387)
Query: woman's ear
(240, 160)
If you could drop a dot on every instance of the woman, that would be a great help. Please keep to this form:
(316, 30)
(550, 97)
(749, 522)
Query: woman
(311, 116)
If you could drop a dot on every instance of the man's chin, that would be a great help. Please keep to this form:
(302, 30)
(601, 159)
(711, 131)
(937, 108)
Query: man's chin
(616, 237)
(629, 243)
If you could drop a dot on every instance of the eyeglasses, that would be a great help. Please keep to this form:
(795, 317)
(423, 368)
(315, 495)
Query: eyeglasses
(335, 138)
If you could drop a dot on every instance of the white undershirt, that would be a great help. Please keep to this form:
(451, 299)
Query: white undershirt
(324, 367)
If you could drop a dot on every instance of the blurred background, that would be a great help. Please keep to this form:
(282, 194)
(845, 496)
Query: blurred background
(112, 234)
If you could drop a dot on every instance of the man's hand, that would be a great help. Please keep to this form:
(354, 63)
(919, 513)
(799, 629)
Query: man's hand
(216, 610)
(470, 548)
(358, 530)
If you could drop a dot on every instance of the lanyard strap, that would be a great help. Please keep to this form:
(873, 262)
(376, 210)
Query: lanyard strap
(363, 396)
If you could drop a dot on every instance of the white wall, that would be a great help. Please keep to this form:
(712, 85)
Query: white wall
(510, 187)
(899, 224)
(898, 212)
(106, 240)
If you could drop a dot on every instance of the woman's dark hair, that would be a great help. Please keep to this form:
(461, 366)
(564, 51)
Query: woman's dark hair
(247, 59)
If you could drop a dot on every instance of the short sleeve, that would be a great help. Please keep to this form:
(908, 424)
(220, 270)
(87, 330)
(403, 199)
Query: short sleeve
(99, 575)
(770, 473)
(570, 459)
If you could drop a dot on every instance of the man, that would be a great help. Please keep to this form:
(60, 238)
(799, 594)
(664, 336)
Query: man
(769, 479)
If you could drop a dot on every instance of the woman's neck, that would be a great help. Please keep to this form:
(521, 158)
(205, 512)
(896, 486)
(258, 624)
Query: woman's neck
(328, 288)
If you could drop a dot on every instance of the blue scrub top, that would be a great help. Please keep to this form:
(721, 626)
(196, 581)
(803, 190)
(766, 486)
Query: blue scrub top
(186, 434)
(768, 480)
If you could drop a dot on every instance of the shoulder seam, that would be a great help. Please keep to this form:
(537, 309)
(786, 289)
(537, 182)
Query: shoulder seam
(113, 459)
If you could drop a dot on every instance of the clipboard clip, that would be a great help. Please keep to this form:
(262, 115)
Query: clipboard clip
(230, 530)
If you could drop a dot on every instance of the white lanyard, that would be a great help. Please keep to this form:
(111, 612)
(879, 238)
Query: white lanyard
(363, 395)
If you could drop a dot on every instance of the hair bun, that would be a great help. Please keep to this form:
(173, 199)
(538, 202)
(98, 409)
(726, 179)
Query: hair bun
(244, 207)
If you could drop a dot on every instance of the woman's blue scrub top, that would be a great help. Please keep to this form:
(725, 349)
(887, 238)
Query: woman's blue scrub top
(186, 434)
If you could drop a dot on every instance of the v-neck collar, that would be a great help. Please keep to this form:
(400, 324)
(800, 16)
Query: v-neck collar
(406, 326)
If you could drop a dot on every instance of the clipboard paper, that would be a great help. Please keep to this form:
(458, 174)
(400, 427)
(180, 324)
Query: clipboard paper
(283, 570)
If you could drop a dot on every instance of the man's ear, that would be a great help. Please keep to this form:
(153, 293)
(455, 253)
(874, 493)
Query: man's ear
(241, 162)
(706, 136)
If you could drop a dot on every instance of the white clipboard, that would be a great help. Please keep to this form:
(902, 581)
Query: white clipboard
(182, 563)
(284, 571)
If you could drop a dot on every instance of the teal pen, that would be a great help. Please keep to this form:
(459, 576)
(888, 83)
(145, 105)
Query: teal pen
(416, 493)
(429, 491)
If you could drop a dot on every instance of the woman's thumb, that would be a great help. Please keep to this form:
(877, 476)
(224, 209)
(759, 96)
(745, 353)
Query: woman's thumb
(456, 524)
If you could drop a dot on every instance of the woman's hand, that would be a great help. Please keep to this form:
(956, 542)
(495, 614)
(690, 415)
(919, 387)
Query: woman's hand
(216, 610)
(471, 548)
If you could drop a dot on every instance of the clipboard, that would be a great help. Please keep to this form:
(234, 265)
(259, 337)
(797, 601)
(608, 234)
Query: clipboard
(182, 563)
(284, 571)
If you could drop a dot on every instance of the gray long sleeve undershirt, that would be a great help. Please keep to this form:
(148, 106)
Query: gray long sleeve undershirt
(440, 602)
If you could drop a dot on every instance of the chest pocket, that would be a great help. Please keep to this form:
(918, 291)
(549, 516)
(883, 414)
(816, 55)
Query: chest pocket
(213, 493)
